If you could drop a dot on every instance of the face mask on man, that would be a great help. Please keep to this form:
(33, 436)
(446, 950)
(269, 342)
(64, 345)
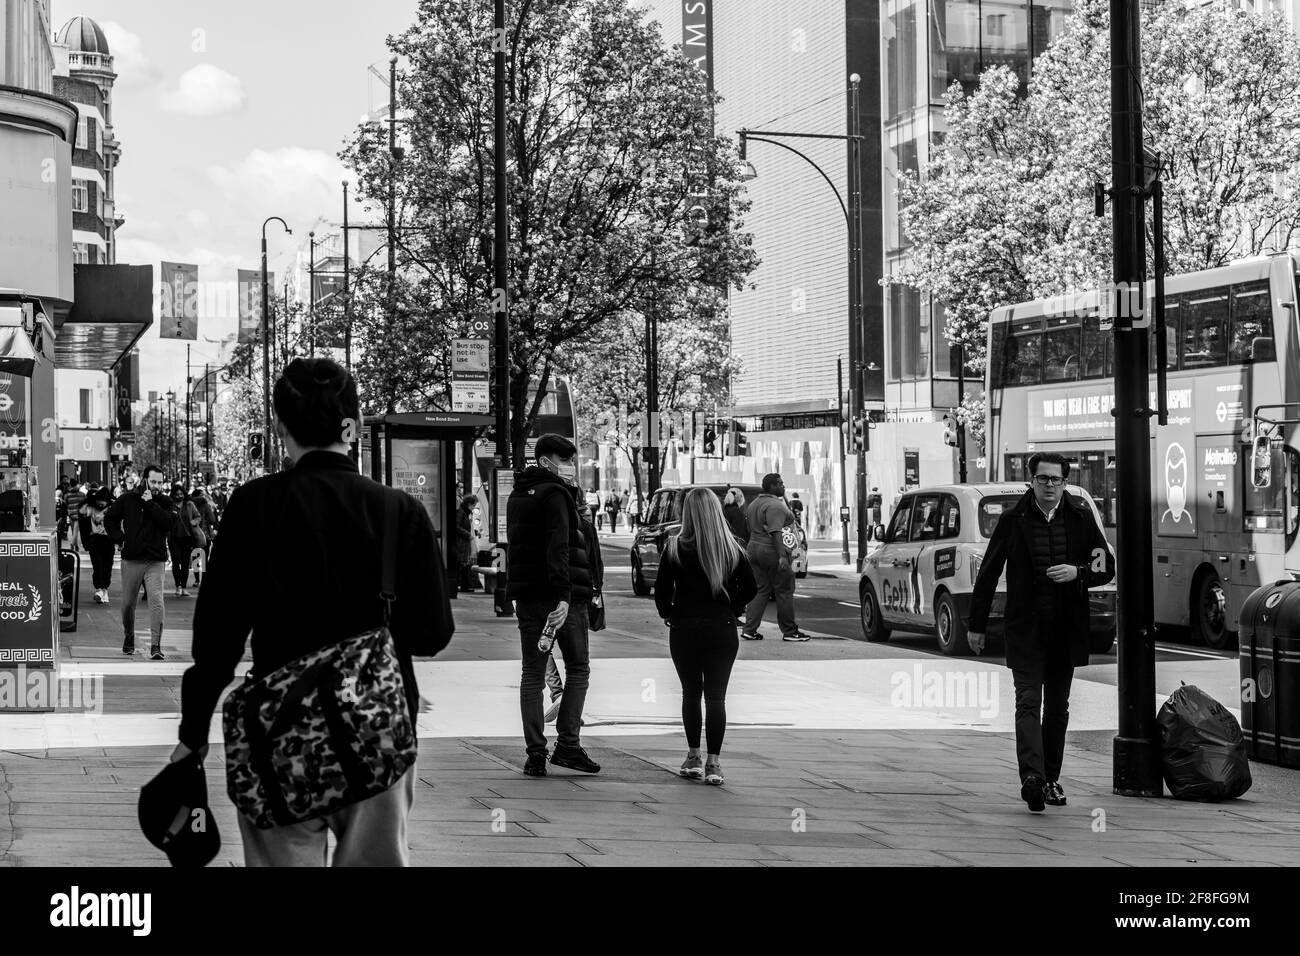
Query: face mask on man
(566, 471)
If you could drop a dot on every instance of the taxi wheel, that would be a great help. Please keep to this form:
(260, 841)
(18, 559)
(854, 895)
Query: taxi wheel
(1209, 612)
(949, 628)
(873, 625)
(639, 586)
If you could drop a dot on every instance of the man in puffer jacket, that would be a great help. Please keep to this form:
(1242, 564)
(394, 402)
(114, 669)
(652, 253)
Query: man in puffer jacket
(550, 581)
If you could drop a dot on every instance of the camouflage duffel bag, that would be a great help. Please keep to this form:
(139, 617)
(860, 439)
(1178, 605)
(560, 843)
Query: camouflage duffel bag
(325, 731)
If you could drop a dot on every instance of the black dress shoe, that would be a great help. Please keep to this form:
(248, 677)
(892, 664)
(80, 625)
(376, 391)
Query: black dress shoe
(535, 765)
(574, 759)
(1053, 795)
(1031, 791)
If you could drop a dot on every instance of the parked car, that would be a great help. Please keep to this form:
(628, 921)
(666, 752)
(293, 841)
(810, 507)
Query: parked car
(921, 576)
(663, 519)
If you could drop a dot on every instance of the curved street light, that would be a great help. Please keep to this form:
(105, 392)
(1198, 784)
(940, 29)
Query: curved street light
(266, 351)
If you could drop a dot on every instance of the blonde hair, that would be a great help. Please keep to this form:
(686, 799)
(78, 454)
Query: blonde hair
(704, 526)
(734, 497)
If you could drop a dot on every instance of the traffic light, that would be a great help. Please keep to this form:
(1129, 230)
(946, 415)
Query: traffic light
(710, 439)
(950, 429)
(741, 440)
(255, 446)
(859, 435)
(846, 413)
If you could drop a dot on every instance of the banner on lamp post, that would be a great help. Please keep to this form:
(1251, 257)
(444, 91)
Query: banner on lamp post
(179, 307)
(250, 303)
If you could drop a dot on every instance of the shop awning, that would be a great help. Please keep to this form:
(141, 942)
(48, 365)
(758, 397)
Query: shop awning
(113, 307)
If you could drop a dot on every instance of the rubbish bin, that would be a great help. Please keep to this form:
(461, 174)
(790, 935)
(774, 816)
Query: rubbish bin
(69, 589)
(1269, 636)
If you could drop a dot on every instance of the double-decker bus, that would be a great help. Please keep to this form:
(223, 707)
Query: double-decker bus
(1232, 346)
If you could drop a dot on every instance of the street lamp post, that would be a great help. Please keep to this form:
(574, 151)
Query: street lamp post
(189, 421)
(853, 222)
(266, 349)
(171, 430)
(347, 298)
(311, 294)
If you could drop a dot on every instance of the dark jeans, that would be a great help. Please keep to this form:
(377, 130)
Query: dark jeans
(703, 651)
(571, 639)
(1043, 685)
(180, 549)
(770, 580)
(101, 560)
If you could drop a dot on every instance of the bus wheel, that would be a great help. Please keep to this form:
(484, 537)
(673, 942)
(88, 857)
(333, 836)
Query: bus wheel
(639, 586)
(1210, 611)
(873, 625)
(949, 628)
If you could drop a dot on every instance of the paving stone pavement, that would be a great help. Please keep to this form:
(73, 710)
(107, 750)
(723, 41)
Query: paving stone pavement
(794, 796)
(791, 798)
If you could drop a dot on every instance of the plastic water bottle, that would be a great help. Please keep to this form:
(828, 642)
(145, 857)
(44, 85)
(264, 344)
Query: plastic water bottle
(547, 640)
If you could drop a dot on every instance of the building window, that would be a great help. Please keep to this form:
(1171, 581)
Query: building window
(99, 201)
(900, 60)
(80, 196)
(85, 406)
(82, 123)
(80, 253)
(909, 347)
(995, 24)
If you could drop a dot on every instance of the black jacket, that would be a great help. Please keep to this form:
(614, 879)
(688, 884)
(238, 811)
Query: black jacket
(1010, 547)
(737, 522)
(546, 555)
(298, 564)
(140, 526)
(682, 589)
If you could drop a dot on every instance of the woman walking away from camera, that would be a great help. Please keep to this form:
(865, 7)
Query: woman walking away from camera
(100, 544)
(180, 542)
(704, 581)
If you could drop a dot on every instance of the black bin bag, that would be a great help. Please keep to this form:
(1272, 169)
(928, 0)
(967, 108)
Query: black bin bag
(1203, 753)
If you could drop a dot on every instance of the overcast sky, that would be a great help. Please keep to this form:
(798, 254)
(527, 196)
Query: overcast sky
(229, 112)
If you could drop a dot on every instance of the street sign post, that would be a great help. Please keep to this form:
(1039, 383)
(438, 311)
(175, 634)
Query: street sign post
(470, 390)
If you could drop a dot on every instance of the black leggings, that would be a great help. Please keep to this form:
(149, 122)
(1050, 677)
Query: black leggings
(180, 550)
(703, 651)
(101, 550)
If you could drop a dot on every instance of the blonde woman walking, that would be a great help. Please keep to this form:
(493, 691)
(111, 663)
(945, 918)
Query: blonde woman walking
(704, 581)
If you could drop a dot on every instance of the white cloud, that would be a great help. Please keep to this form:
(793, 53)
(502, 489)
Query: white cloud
(205, 90)
(217, 226)
(129, 60)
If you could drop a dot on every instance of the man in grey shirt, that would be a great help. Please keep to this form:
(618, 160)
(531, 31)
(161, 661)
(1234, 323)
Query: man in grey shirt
(769, 555)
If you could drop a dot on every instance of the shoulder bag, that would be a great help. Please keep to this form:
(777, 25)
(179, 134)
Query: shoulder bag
(327, 730)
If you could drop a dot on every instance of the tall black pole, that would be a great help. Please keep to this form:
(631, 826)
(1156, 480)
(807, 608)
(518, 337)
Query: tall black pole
(961, 418)
(391, 399)
(347, 298)
(266, 363)
(311, 294)
(651, 437)
(857, 360)
(189, 419)
(844, 484)
(267, 458)
(501, 241)
(1137, 746)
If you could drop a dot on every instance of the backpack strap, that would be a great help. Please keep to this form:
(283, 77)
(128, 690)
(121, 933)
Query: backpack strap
(388, 572)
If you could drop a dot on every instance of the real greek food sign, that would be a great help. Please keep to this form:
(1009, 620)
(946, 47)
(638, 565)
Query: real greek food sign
(28, 600)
